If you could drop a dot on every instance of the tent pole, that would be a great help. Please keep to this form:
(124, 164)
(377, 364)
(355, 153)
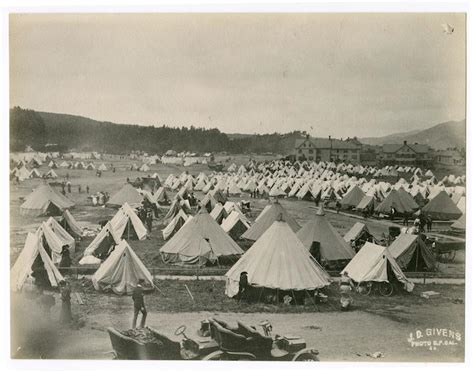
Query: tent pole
(417, 254)
(261, 291)
(293, 293)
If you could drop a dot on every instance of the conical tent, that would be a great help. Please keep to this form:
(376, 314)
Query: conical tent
(126, 223)
(44, 200)
(375, 263)
(102, 245)
(442, 207)
(323, 241)
(277, 260)
(411, 253)
(200, 240)
(121, 271)
(33, 257)
(71, 225)
(268, 216)
(127, 194)
(352, 197)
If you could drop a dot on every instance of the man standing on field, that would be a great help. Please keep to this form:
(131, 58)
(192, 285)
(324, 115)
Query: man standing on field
(138, 305)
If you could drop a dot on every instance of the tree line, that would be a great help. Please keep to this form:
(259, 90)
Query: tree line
(62, 132)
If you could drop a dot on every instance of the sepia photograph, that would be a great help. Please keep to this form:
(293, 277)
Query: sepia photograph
(237, 186)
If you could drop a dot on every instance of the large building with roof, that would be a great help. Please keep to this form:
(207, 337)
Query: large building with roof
(406, 154)
(328, 149)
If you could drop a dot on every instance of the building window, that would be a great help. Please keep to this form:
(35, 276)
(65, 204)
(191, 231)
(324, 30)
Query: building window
(300, 151)
(310, 151)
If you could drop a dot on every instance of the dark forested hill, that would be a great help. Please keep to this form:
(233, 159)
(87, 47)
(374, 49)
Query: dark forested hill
(68, 132)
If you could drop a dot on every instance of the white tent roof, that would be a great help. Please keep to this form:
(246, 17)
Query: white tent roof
(22, 270)
(122, 217)
(121, 271)
(277, 260)
(371, 264)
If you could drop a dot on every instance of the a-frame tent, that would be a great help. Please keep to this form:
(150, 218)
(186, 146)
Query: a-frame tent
(175, 224)
(62, 234)
(69, 223)
(374, 263)
(412, 254)
(126, 224)
(121, 271)
(102, 245)
(35, 264)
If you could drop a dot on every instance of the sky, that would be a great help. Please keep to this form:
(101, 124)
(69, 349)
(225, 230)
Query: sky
(329, 74)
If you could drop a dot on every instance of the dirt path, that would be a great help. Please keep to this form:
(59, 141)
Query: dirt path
(338, 336)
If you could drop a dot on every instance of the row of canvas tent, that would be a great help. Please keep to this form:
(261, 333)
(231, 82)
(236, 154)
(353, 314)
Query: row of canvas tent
(23, 174)
(280, 261)
(42, 251)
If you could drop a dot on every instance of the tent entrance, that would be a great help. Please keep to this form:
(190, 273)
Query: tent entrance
(315, 251)
(105, 247)
(129, 233)
(53, 210)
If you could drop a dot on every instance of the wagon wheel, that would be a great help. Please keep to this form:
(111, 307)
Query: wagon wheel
(451, 255)
(364, 288)
(447, 256)
(385, 289)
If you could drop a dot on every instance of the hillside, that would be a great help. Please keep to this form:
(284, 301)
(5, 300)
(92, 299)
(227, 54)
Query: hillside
(441, 136)
(73, 132)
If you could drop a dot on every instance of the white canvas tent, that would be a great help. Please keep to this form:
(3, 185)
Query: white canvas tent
(200, 240)
(44, 200)
(277, 260)
(127, 224)
(121, 271)
(175, 224)
(62, 234)
(23, 268)
(373, 263)
(101, 246)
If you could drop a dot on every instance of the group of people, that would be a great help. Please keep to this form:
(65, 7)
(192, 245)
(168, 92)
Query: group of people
(145, 213)
(100, 198)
